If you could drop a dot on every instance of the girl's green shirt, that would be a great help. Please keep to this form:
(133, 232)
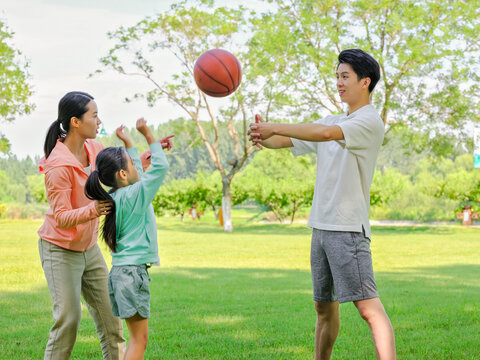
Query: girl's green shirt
(136, 227)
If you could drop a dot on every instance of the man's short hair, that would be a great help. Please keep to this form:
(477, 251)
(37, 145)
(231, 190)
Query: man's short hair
(363, 64)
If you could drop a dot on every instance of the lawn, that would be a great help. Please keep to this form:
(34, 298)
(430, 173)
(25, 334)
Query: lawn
(247, 295)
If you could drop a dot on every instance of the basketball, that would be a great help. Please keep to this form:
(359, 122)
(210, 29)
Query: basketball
(217, 73)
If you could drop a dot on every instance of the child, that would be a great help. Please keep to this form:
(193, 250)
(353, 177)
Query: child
(130, 230)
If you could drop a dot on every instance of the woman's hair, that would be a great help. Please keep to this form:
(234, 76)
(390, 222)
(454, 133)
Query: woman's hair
(109, 161)
(72, 104)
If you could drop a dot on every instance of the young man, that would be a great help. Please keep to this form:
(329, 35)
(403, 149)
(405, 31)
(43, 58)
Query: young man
(347, 146)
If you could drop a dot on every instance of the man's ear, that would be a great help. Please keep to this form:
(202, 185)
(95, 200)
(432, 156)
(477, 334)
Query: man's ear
(366, 82)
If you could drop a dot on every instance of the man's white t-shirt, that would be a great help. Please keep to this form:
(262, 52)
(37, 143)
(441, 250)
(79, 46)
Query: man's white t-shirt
(345, 168)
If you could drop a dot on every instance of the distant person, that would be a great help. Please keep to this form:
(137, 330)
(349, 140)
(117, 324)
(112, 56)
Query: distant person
(347, 147)
(71, 259)
(130, 230)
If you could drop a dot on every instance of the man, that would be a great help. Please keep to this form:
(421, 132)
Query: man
(347, 147)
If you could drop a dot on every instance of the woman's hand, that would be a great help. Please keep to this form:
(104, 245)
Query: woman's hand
(103, 207)
(166, 142)
(124, 137)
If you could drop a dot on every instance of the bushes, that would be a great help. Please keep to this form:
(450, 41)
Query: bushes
(24, 211)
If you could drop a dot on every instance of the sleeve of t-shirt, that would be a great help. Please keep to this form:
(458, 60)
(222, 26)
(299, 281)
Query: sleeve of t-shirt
(301, 147)
(362, 133)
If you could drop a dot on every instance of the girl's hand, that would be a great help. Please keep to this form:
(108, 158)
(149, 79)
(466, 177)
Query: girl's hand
(124, 137)
(103, 207)
(166, 142)
(145, 130)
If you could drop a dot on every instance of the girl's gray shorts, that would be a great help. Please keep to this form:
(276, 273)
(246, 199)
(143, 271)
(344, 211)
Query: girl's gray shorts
(341, 263)
(129, 291)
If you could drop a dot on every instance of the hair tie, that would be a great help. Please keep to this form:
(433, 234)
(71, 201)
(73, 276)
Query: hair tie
(61, 126)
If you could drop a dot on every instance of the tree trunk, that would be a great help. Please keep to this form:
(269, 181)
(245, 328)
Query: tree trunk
(227, 206)
(294, 211)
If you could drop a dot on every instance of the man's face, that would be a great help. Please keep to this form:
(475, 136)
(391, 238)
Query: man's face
(349, 86)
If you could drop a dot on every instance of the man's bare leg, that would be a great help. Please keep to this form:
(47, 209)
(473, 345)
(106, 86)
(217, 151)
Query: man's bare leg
(372, 311)
(326, 329)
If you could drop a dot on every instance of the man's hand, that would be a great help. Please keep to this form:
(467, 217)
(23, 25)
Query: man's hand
(255, 136)
(124, 137)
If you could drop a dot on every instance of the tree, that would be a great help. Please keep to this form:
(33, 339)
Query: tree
(460, 183)
(283, 184)
(14, 88)
(428, 53)
(203, 191)
(186, 32)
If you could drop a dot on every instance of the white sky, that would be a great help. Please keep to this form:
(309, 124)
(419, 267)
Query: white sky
(63, 41)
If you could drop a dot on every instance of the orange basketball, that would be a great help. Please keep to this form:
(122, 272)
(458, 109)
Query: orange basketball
(217, 73)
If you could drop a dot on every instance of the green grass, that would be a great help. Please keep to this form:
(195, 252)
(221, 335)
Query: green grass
(247, 295)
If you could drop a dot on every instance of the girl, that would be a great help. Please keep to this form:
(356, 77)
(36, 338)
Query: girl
(71, 259)
(130, 230)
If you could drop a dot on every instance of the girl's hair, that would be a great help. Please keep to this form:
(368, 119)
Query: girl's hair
(109, 161)
(72, 104)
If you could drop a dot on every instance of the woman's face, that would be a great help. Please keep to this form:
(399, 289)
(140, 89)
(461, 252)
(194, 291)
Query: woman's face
(90, 122)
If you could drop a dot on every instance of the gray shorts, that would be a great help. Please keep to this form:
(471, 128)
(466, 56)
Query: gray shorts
(129, 291)
(341, 264)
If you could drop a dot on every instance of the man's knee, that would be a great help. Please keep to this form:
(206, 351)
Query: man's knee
(370, 309)
(326, 310)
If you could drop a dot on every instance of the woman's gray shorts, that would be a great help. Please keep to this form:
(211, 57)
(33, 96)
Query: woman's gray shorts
(341, 264)
(129, 291)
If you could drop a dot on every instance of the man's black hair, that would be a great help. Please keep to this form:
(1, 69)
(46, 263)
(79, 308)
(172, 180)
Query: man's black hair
(363, 64)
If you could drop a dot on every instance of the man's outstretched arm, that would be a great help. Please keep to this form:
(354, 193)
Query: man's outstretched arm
(260, 132)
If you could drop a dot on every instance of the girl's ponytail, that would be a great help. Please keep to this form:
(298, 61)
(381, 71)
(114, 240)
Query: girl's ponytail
(95, 191)
(108, 163)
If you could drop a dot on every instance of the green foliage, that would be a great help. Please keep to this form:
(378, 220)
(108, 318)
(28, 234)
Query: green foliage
(15, 210)
(205, 191)
(460, 183)
(187, 156)
(36, 188)
(14, 88)
(427, 50)
(10, 191)
(432, 189)
(278, 181)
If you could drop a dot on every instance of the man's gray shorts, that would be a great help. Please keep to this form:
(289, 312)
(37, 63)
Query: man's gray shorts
(341, 264)
(129, 291)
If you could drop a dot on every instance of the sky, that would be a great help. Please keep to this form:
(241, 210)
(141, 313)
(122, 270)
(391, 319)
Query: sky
(63, 41)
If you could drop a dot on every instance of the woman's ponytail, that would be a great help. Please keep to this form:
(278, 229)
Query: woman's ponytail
(54, 132)
(95, 191)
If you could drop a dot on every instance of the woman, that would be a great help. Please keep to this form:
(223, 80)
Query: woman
(71, 259)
